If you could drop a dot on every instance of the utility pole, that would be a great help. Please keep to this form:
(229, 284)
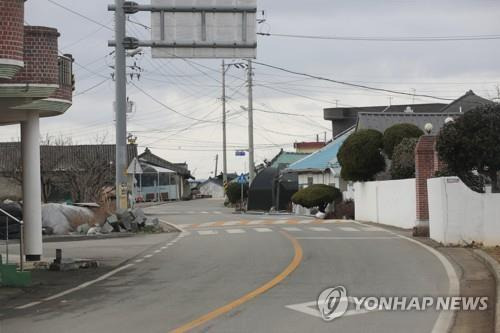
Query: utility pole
(251, 164)
(120, 106)
(224, 138)
(216, 164)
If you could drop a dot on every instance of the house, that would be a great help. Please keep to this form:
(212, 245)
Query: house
(308, 147)
(157, 179)
(383, 117)
(344, 118)
(213, 188)
(284, 158)
(381, 121)
(322, 167)
(57, 163)
(35, 82)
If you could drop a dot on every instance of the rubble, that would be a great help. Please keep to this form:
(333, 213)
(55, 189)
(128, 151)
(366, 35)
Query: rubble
(107, 228)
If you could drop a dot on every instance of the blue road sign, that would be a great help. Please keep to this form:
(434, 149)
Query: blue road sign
(241, 179)
(240, 153)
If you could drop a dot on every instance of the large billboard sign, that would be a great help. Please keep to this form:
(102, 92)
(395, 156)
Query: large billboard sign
(204, 29)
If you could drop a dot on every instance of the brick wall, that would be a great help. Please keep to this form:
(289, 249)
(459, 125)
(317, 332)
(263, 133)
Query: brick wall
(426, 165)
(11, 29)
(40, 57)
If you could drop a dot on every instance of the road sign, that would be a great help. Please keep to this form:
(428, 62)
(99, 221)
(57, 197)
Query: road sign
(240, 153)
(241, 179)
(222, 29)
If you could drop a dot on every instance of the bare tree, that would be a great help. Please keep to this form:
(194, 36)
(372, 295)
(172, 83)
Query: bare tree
(86, 179)
(51, 160)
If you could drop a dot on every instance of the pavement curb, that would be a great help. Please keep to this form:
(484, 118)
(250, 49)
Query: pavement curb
(494, 267)
(173, 227)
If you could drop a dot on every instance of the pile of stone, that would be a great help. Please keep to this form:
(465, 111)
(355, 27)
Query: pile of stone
(131, 220)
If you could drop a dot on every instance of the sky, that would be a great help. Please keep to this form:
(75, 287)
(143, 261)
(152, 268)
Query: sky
(178, 108)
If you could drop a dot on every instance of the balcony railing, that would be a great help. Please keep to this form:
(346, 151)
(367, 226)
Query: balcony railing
(66, 71)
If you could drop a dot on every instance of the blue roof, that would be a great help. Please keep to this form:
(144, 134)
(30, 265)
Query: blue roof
(324, 158)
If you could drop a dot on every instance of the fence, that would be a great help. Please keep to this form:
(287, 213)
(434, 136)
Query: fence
(458, 215)
(21, 241)
(390, 202)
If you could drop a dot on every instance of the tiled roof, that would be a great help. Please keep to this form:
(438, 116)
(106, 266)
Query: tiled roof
(382, 121)
(287, 158)
(180, 168)
(466, 103)
(324, 158)
(60, 157)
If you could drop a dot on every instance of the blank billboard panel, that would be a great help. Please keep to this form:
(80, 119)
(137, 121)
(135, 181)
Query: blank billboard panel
(204, 28)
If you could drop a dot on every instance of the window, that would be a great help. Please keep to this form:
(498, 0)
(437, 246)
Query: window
(310, 181)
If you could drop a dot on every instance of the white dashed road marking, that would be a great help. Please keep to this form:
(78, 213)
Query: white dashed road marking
(235, 231)
(280, 222)
(207, 224)
(207, 232)
(348, 229)
(291, 229)
(256, 222)
(319, 229)
(231, 223)
(263, 229)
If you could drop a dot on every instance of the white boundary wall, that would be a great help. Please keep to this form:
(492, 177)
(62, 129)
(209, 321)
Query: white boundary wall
(458, 215)
(391, 202)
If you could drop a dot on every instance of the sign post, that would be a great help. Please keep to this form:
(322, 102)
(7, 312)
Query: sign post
(241, 181)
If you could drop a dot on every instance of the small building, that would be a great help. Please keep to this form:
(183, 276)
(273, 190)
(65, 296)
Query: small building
(212, 188)
(157, 179)
(308, 147)
(381, 121)
(271, 188)
(383, 117)
(321, 167)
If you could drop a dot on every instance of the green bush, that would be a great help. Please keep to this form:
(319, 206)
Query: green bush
(233, 192)
(360, 156)
(317, 195)
(403, 159)
(396, 133)
(472, 143)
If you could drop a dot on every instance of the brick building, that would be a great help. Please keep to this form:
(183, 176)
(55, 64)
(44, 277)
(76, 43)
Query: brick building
(35, 81)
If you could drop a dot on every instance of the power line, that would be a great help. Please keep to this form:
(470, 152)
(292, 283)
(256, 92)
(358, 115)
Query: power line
(166, 106)
(388, 38)
(91, 88)
(353, 84)
(79, 14)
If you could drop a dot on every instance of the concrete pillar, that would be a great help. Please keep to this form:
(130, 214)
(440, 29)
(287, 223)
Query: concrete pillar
(32, 191)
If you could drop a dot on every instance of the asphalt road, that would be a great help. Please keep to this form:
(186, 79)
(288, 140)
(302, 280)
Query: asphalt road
(248, 273)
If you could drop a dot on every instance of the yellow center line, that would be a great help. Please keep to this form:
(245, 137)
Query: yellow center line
(297, 258)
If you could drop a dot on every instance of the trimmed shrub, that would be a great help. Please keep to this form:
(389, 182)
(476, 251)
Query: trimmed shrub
(360, 156)
(472, 143)
(317, 195)
(396, 133)
(233, 192)
(403, 159)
